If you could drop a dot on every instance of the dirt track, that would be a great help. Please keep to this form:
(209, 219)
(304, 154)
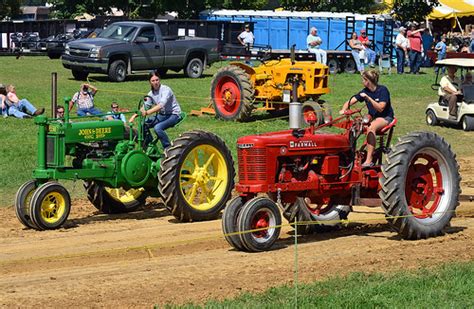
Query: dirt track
(146, 258)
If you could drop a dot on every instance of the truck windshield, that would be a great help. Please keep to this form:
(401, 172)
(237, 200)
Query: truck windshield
(118, 32)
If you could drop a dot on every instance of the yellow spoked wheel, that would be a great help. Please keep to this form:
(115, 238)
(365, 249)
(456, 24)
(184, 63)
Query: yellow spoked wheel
(22, 203)
(50, 206)
(114, 200)
(196, 176)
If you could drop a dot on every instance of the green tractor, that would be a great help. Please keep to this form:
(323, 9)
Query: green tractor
(194, 176)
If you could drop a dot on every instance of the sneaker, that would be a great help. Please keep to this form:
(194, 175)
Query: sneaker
(39, 112)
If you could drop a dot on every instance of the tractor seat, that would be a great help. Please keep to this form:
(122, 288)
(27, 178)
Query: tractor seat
(387, 127)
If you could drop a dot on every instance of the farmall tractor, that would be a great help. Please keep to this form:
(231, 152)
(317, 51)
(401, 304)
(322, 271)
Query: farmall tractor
(194, 176)
(315, 177)
(238, 89)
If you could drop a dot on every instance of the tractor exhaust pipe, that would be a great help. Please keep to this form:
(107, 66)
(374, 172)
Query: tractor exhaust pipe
(54, 94)
(295, 107)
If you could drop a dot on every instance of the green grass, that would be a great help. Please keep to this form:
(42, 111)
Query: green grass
(32, 76)
(448, 286)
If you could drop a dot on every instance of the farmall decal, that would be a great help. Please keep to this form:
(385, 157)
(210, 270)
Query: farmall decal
(302, 144)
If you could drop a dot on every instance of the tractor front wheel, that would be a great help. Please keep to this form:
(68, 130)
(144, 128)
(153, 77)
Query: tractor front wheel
(420, 185)
(196, 176)
(230, 221)
(114, 200)
(22, 203)
(50, 206)
(232, 94)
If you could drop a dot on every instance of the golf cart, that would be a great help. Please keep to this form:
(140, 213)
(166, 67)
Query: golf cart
(439, 112)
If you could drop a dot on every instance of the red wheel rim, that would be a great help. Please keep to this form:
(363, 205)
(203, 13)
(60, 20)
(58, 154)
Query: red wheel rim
(227, 96)
(261, 220)
(423, 186)
(306, 111)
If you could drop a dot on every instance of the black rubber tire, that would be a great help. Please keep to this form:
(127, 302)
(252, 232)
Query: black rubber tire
(118, 71)
(314, 107)
(43, 192)
(169, 180)
(253, 243)
(22, 203)
(242, 79)
(80, 75)
(54, 55)
(194, 68)
(333, 65)
(104, 202)
(350, 66)
(394, 185)
(230, 218)
(467, 123)
(431, 118)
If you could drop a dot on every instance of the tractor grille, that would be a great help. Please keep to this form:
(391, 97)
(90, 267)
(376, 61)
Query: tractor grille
(252, 164)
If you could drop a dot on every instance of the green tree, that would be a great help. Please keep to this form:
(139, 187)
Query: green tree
(9, 9)
(356, 6)
(406, 10)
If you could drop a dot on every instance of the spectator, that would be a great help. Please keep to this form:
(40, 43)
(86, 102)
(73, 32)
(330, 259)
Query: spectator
(440, 48)
(428, 41)
(377, 100)
(60, 111)
(471, 47)
(246, 38)
(356, 47)
(115, 114)
(20, 108)
(449, 90)
(369, 52)
(401, 45)
(416, 48)
(3, 98)
(313, 42)
(162, 107)
(84, 99)
(467, 78)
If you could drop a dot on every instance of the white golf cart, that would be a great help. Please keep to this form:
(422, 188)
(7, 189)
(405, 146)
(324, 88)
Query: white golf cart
(439, 112)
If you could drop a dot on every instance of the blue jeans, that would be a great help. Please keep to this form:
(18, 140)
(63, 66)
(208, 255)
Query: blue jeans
(370, 55)
(400, 60)
(440, 57)
(19, 110)
(92, 111)
(355, 55)
(415, 61)
(160, 123)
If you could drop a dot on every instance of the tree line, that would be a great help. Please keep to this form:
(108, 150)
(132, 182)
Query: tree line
(403, 9)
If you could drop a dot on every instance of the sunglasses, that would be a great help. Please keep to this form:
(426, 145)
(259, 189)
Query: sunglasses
(115, 107)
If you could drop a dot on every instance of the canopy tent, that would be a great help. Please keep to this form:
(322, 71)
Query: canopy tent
(453, 9)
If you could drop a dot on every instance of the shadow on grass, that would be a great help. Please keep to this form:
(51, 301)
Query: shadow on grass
(142, 77)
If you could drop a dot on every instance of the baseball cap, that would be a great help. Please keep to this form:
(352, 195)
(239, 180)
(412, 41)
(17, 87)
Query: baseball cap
(402, 29)
(247, 26)
(362, 31)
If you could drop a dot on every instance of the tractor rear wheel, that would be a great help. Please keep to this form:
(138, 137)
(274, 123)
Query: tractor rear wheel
(22, 203)
(232, 94)
(50, 206)
(420, 185)
(230, 221)
(311, 106)
(196, 176)
(114, 200)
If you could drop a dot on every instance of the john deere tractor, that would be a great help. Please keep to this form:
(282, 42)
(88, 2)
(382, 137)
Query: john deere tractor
(194, 176)
(238, 89)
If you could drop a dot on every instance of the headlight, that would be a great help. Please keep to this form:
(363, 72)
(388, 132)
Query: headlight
(67, 50)
(94, 52)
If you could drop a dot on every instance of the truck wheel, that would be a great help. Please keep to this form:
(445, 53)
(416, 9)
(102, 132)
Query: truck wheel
(79, 75)
(468, 123)
(50, 206)
(118, 71)
(114, 200)
(196, 177)
(194, 68)
(22, 203)
(259, 213)
(311, 106)
(420, 185)
(54, 55)
(350, 66)
(229, 222)
(232, 94)
(162, 72)
(431, 118)
(333, 65)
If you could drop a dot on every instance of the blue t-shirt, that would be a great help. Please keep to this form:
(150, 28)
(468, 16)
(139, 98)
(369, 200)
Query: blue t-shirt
(380, 94)
(441, 47)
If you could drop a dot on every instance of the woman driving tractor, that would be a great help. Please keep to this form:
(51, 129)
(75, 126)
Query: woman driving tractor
(377, 99)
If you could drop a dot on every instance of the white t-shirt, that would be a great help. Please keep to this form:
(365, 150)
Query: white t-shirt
(401, 40)
(247, 37)
(166, 99)
(446, 81)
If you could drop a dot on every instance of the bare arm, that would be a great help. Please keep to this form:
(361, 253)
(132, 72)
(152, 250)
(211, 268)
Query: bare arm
(347, 105)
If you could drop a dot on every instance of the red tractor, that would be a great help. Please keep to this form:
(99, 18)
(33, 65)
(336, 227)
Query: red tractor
(315, 177)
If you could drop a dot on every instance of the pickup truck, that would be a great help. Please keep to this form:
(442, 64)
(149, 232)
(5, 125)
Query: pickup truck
(124, 48)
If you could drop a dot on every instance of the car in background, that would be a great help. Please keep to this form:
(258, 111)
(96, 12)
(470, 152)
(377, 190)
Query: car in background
(56, 45)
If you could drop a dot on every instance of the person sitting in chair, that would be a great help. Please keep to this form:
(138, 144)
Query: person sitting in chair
(377, 99)
(313, 42)
(449, 91)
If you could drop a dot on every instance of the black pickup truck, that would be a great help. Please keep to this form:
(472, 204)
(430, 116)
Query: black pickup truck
(128, 47)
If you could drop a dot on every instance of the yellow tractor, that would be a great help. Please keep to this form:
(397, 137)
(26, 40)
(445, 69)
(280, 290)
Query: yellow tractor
(238, 89)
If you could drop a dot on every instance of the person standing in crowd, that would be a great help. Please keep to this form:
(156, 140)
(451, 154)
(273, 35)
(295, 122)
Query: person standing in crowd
(449, 89)
(313, 43)
(440, 48)
(401, 45)
(369, 52)
(162, 108)
(356, 47)
(20, 108)
(246, 38)
(416, 48)
(428, 41)
(85, 101)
